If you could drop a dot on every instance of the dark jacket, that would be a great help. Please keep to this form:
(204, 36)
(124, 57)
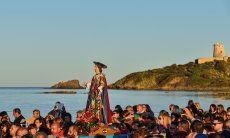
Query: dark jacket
(20, 121)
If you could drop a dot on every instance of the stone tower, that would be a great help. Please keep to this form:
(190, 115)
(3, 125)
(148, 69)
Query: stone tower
(218, 50)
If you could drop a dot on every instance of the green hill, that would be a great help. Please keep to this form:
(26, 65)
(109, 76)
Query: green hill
(208, 76)
(71, 84)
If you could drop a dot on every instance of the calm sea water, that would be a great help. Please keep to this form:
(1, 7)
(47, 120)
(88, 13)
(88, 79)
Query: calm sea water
(27, 99)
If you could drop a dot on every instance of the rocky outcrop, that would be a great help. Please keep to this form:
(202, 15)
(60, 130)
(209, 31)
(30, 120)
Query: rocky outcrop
(203, 77)
(72, 84)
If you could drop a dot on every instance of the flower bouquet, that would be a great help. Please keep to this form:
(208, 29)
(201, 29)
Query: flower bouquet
(90, 122)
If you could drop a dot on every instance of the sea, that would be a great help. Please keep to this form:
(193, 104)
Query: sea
(28, 99)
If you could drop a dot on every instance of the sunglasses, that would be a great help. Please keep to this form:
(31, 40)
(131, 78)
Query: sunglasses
(216, 123)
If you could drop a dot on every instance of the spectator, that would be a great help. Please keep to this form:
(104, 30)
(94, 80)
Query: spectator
(21, 132)
(56, 130)
(13, 130)
(32, 129)
(73, 131)
(36, 114)
(19, 119)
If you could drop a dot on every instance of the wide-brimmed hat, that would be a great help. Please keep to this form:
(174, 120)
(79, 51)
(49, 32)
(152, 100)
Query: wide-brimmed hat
(100, 64)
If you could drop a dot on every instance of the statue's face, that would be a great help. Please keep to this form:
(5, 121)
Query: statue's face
(97, 69)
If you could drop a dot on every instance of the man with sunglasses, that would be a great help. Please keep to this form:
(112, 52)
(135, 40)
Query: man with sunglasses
(218, 124)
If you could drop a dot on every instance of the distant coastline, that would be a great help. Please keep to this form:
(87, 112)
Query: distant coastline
(210, 76)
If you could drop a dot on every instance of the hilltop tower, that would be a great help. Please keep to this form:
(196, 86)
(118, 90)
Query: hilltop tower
(218, 51)
(218, 54)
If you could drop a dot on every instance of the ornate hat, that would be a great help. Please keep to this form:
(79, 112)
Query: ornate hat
(100, 64)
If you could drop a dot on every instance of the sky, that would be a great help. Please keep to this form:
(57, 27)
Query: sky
(43, 42)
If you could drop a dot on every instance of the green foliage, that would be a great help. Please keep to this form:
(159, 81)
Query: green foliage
(191, 75)
(221, 66)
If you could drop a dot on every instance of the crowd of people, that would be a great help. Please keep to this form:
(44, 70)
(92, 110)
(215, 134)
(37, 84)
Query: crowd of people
(137, 121)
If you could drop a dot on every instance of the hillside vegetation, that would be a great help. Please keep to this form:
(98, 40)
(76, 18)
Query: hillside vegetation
(208, 76)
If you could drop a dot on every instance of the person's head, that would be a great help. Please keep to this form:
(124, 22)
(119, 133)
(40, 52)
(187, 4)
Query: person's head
(197, 126)
(128, 118)
(5, 126)
(218, 124)
(197, 106)
(144, 108)
(220, 108)
(130, 109)
(116, 114)
(207, 118)
(68, 117)
(38, 122)
(36, 113)
(32, 129)
(176, 109)
(148, 108)
(228, 115)
(21, 132)
(163, 113)
(171, 107)
(58, 120)
(57, 106)
(125, 113)
(55, 128)
(164, 118)
(16, 112)
(140, 108)
(13, 130)
(212, 108)
(190, 103)
(164, 121)
(73, 132)
(227, 124)
(119, 108)
(183, 125)
(4, 116)
(49, 119)
(228, 109)
(40, 135)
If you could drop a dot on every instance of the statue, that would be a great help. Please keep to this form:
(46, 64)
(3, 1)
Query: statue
(98, 99)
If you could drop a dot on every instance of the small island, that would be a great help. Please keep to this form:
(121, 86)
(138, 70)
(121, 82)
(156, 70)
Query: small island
(71, 84)
(205, 74)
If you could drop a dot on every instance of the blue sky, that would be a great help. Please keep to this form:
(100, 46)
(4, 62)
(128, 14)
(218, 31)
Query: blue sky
(42, 42)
